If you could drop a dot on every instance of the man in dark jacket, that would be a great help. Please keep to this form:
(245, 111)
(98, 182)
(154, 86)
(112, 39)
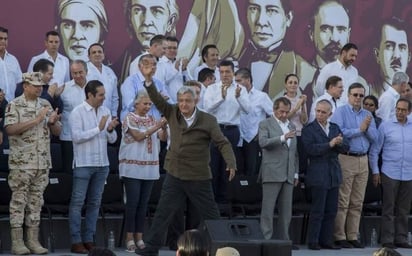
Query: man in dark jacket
(187, 160)
(323, 142)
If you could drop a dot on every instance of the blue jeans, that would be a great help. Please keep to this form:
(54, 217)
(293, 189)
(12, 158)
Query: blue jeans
(137, 195)
(86, 181)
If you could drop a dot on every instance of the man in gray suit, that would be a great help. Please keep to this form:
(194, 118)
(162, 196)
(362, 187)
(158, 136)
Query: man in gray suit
(279, 169)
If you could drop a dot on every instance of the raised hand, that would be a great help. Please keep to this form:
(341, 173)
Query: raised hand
(336, 141)
(52, 90)
(290, 134)
(224, 91)
(54, 116)
(237, 91)
(115, 122)
(102, 122)
(42, 114)
(365, 124)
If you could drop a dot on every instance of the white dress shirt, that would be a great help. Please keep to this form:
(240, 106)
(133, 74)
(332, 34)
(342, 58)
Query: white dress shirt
(89, 143)
(227, 111)
(261, 106)
(200, 103)
(199, 68)
(285, 129)
(10, 75)
(335, 104)
(173, 78)
(109, 80)
(349, 76)
(387, 104)
(325, 128)
(61, 72)
(72, 96)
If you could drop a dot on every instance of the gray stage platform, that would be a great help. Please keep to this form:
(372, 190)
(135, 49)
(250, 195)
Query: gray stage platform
(113, 222)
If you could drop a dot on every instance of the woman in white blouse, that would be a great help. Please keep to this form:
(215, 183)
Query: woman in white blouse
(139, 165)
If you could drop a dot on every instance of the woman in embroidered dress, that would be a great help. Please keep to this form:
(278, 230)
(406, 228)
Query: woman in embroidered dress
(139, 165)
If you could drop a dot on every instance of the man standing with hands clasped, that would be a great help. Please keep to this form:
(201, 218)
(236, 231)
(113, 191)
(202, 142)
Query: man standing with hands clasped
(279, 169)
(29, 120)
(358, 126)
(323, 141)
(187, 160)
(225, 100)
(91, 128)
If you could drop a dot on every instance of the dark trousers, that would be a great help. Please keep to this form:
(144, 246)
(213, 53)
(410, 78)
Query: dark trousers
(303, 157)
(250, 157)
(218, 164)
(322, 214)
(137, 196)
(67, 156)
(174, 194)
(396, 203)
(179, 224)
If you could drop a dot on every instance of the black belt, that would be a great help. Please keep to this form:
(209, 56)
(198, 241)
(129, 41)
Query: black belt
(355, 154)
(227, 126)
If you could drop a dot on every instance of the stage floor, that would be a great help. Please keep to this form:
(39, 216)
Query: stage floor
(302, 252)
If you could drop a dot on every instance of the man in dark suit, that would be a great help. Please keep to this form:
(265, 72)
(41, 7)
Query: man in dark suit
(187, 160)
(279, 169)
(323, 142)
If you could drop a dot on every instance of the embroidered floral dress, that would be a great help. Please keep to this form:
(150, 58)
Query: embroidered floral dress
(139, 159)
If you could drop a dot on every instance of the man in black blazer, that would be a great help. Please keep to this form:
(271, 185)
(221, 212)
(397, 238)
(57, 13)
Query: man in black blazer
(323, 142)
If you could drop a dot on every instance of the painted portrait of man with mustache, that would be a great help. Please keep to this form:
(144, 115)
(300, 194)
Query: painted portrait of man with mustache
(329, 31)
(392, 52)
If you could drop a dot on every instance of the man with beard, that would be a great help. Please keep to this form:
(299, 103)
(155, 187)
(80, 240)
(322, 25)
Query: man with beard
(329, 31)
(392, 53)
(342, 68)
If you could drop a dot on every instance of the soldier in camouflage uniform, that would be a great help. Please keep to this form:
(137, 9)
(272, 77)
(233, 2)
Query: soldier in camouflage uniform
(28, 122)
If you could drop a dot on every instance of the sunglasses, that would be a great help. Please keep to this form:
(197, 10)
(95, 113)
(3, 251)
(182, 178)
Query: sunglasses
(357, 95)
(369, 104)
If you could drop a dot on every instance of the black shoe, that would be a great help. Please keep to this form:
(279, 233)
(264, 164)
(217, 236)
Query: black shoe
(403, 245)
(343, 244)
(356, 244)
(330, 246)
(314, 246)
(295, 247)
(389, 245)
(147, 251)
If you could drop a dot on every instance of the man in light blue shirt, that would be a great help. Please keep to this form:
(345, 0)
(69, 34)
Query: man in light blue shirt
(134, 83)
(395, 141)
(359, 127)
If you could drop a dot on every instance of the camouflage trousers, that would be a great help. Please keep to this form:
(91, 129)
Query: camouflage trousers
(27, 187)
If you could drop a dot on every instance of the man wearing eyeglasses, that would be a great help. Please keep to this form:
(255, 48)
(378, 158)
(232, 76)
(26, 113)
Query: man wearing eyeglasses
(171, 71)
(387, 101)
(394, 141)
(358, 126)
